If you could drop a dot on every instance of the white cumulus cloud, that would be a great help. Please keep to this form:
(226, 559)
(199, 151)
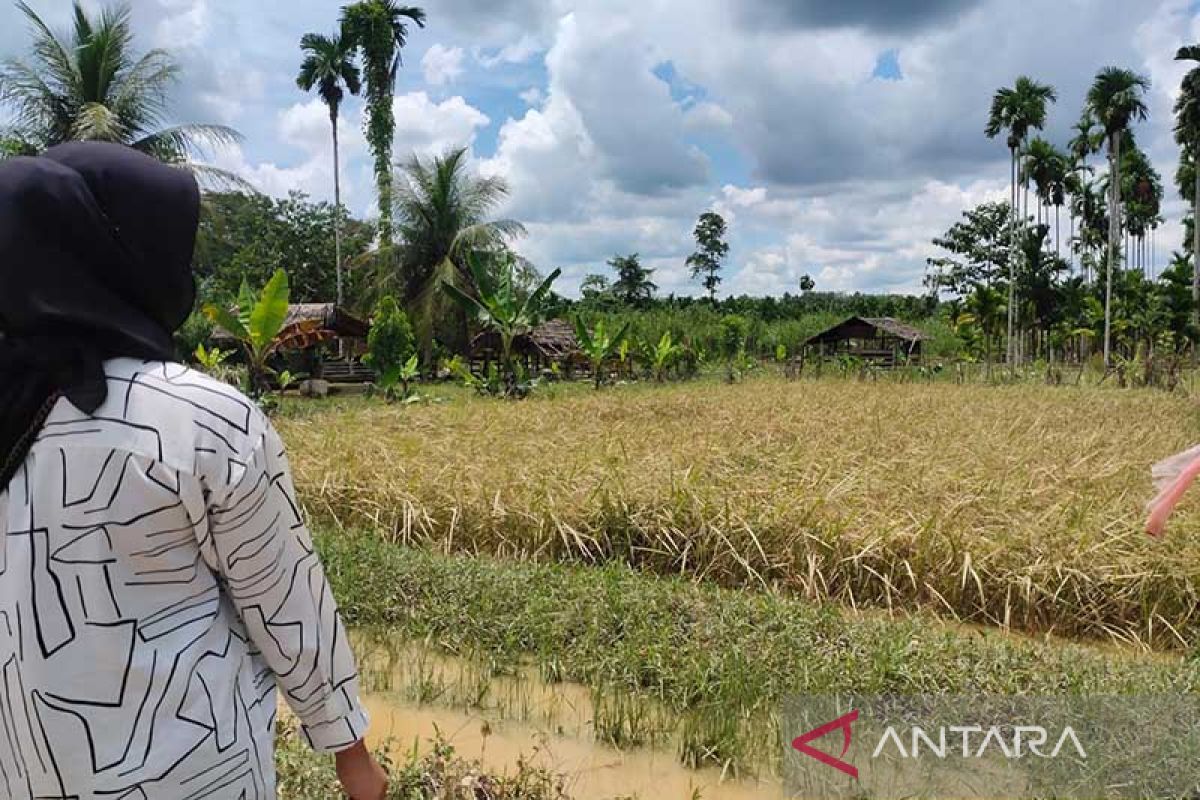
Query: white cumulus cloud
(442, 65)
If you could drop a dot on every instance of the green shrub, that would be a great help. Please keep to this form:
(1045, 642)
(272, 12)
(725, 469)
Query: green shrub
(390, 344)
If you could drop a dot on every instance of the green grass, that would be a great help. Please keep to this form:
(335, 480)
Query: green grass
(439, 775)
(719, 660)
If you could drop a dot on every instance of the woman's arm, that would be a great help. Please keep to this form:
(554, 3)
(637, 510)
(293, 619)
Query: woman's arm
(259, 544)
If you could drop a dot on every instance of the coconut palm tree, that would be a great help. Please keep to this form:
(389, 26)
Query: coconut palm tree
(88, 83)
(1187, 134)
(442, 216)
(329, 66)
(378, 29)
(1115, 100)
(1017, 110)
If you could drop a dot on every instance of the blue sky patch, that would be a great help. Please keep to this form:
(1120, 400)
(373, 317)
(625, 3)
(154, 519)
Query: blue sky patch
(887, 66)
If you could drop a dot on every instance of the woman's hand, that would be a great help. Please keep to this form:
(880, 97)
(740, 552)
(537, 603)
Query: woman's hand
(360, 775)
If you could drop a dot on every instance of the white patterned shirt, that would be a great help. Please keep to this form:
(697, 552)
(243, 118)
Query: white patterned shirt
(156, 583)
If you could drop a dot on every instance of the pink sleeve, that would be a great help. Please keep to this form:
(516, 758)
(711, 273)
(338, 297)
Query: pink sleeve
(1172, 477)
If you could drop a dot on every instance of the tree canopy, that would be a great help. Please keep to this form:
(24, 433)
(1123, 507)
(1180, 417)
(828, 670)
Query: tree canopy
(250, 236)
(89, 83)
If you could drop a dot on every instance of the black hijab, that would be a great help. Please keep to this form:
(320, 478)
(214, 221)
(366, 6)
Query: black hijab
(96, 248)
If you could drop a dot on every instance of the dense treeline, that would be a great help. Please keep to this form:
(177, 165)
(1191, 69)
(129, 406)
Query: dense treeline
(776, 327)
(1022, 291)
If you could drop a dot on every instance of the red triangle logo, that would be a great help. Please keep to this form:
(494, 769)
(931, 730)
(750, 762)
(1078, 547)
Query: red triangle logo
(843, 722)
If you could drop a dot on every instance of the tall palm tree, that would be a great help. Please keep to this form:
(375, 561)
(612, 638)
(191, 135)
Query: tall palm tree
(1141, 187)
(1187, 134)
(1045, 166)
(1115, 100)
(378, 29)
(329, 66)
(1082, 144)
(1017, 110)
(1089, 207)
(443, 219)
(88, 83)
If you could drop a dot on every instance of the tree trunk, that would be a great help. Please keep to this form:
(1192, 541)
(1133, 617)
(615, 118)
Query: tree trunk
(1071, 240)
(337, 206)
(1114, 233)
(1196, 241)
(1012, 260)
(1057, 231)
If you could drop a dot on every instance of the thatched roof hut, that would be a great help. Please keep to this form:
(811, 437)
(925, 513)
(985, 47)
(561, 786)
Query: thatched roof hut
(880, 340)
(550, 342)
(312, 322)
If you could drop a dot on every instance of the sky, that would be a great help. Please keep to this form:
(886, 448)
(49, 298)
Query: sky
(836, 138)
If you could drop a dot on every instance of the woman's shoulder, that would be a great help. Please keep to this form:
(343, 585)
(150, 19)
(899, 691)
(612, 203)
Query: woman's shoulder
(173, 414)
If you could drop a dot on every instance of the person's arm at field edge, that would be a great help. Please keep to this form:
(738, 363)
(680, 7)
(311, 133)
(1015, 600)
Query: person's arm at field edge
(258, 542)
(359, 773)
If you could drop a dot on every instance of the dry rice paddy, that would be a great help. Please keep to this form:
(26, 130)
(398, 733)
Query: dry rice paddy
(1016, 506)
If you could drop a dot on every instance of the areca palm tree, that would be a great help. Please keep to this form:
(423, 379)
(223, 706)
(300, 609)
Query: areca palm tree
(1017, 110)
(443, 220)
(1115, 100)
(1046, 167)
(1089, 206)
(89, 84)
(1141, 186)
(379, 30)
(329, 67)
(1187, 134)
(1085, 142)
(986, 304)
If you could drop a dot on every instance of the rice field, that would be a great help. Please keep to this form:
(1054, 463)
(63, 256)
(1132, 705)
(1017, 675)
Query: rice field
(1014, 506)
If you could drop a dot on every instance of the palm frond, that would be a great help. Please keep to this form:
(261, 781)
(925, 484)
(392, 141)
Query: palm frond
(215, 179)
(55, 56)
(486, 236)
(140, 93)
(176, 143)
(37, 109)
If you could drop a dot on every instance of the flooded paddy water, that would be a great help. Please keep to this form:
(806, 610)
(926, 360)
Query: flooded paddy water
(415, 695)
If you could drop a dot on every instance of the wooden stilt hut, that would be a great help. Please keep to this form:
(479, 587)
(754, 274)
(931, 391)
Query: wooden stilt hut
(882, 341)
(550, 343)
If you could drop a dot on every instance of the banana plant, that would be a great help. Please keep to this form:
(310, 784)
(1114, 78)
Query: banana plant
(210, 360)
(598, 345)
(258, 322)
(401, 375)
(663, 355)
(496, 305)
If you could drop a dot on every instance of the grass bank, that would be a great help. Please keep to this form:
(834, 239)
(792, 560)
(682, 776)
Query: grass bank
(718, 660)
(1016, 506)
(439, 775)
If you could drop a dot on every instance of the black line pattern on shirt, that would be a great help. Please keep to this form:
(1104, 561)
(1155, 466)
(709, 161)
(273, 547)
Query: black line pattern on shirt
(156, 582)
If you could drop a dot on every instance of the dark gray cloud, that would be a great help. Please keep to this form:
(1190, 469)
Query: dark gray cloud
(889, 16)
(488, 19)
(805, 130)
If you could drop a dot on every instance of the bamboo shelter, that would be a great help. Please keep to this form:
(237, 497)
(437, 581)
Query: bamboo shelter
(550, 343)
(882, 341)
(309, 325)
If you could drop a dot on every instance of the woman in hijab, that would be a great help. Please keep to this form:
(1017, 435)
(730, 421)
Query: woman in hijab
(157, 582)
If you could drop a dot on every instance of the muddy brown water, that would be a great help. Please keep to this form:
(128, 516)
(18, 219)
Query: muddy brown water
(415, 694)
